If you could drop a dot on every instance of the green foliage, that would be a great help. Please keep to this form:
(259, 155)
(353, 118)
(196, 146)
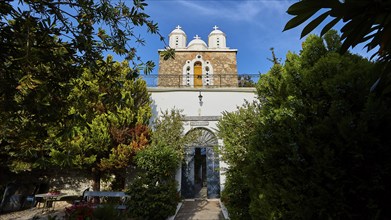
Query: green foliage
(317, 149)
(154, 192)
(236, 194)
(81, 211)
(151, 199)
(237, 130)
(159, 161)
(86, 211)
(313, 50)
(307, 160)
(245, 81)
(35, 68)
(108, 211)
(168, 54)
(45, 47)
(364, 20)
(168, 131)
(106, 122)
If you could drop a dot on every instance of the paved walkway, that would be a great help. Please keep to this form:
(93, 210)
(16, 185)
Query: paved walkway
(201, 210)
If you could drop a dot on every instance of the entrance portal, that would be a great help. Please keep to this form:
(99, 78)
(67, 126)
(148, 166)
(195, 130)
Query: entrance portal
(200, 182)
(200, 170)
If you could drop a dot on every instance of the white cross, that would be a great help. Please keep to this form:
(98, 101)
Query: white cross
(215, 27)
(196, 37)
(178, 27)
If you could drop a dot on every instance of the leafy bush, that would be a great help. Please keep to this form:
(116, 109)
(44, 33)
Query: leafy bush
(321, 146)
(108, 212)
(151, 199)
(154, 192)
(86, 211)
(79, 212)
(236, 195)
(320, 151)
(236, 129)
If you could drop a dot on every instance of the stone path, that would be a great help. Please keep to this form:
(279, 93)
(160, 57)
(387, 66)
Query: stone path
(201, 210)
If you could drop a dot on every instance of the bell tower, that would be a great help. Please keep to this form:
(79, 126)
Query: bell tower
(197, 64)
(177, 38)
(217, 39)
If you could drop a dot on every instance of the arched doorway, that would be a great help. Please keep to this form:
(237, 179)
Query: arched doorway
(197, 74)
(200, 168)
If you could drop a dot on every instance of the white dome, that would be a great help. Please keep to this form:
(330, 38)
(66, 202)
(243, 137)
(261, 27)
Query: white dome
(197, 44)
(216, 32)
(177, 38)
(217, 39)
(177, 31)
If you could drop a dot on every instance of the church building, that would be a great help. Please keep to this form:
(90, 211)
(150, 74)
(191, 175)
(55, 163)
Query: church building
(202, 81)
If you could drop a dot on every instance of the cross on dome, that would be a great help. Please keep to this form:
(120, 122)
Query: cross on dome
(178, 27)
(215, 27)
(197, 37)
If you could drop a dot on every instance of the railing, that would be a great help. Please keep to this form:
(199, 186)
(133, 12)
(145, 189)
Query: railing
(206, 81)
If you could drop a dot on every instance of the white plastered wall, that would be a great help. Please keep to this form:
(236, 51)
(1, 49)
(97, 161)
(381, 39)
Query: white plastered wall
(214, 102)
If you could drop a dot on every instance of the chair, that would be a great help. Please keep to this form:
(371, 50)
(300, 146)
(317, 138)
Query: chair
(81, 199)
(29, 201)
(43, 188)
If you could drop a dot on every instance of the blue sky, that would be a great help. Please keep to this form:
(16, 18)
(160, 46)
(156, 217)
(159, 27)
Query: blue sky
(251, 26)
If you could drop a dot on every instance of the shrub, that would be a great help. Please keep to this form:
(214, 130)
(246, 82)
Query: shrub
(108, 212)
(235, 196)
(154, 193)
(152, 199)
(79, 212)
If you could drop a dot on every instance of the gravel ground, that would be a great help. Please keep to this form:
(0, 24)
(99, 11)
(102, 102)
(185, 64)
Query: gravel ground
(37, 213)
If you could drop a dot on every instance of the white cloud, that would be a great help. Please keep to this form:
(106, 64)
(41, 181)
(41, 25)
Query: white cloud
(247, 11)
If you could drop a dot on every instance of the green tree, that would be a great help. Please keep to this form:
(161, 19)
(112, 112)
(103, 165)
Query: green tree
(313, 155)
(315, 147)
(245, 81)
(364, 20)
(107, 121)
(237, 130)
(46, 44)
(34, 87)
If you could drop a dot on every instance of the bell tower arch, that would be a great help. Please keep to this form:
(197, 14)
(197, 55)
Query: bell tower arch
(197, 72)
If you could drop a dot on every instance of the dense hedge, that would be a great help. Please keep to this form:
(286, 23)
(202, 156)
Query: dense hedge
(320, 148)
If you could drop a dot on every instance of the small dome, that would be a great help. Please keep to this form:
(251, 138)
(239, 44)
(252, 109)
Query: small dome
(197, 44)
(177, 31)
(177, 38)
(216, 31)
(216, 39)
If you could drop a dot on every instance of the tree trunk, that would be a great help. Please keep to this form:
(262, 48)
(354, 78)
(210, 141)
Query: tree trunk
(96, 174)
(96, 179)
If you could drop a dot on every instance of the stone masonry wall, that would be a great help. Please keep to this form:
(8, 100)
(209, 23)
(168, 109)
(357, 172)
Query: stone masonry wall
(223, 63)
